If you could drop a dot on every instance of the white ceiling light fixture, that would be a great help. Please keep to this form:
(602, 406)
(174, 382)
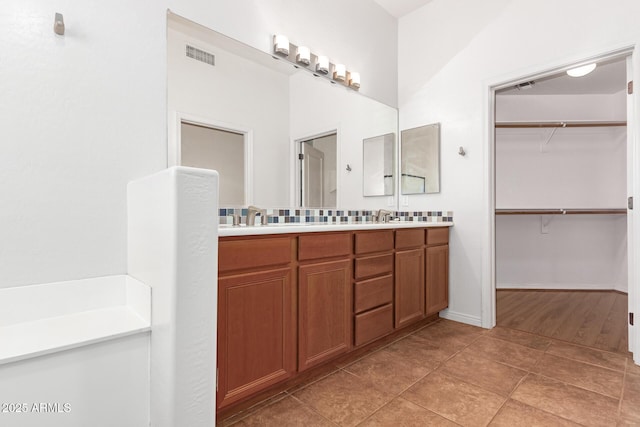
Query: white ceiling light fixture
(581, 71)
(281, 44)
(301, 57)
(322, 65)
(304, 55)
(340, 72)
(354, 80)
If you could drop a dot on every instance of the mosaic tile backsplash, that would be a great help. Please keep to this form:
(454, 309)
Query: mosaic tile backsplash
(332, 216)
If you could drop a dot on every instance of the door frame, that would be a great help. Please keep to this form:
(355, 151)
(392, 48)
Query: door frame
(488, 316)
(174, 149)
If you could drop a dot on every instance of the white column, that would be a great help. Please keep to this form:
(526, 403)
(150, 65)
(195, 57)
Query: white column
(173, 247)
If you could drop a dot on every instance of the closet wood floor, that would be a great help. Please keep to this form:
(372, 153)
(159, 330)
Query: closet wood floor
(591, 318)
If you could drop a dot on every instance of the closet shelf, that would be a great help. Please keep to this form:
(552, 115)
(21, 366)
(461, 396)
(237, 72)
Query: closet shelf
(565, 124)
(561, 211)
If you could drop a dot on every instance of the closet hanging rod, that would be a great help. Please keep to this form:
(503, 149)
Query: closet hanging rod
(560, 211)
(567, 124)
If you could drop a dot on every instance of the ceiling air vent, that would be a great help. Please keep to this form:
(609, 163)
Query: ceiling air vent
(525, 85)
(201, 55)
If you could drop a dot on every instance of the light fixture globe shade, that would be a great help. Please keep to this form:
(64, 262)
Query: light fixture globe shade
(304, 55)
(581, 71)
(281, 44)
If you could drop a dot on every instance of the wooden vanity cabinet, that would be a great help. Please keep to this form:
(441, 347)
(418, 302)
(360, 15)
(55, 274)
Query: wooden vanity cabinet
(289, 302)
(410, 276)
(256, 316)
(373, 285)
(324, 297)
(437, 267)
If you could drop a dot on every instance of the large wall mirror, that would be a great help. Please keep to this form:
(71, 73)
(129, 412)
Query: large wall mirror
(220, 80)
(420, 160)
(377, 165)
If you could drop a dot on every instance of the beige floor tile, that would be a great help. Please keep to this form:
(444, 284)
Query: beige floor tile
(588, 355)
(486, 373)
(512, 354)
(627, 422)
(388, 370)
(594, 378)
(249, 411)
(517, 414)
(567, 401)
(446, 331)
(455, 399)
(400, 412)
(343, 398)
(424, 352)
(285, 412)
(526, 339)
(632, 368)
(630, 405)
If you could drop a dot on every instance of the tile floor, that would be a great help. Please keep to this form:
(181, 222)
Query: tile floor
(450, 374)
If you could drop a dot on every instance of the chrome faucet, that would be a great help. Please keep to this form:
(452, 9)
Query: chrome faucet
(252, 211)
(383, 215)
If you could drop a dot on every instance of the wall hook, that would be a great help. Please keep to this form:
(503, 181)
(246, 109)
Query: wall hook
(461, 151)
(58, 24)
(348, 168)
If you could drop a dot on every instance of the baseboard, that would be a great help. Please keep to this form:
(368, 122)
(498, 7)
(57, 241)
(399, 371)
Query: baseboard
(621, 288)
(564, 286)
(460, 317)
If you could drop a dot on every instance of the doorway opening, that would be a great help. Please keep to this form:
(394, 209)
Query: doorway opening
(209, 146)
(561, 231)
(317, 172)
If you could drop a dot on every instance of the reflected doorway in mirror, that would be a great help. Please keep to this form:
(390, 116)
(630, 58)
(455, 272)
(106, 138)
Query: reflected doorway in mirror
(317, 171)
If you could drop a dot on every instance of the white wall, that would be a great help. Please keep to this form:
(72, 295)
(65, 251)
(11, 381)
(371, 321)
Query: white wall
(493, 41)
(575, 252)
(81, 115)
(569, 168)
(242, 95)
(358, 33)
(219, 150)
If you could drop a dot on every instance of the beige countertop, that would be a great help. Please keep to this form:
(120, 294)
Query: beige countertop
(243, 230)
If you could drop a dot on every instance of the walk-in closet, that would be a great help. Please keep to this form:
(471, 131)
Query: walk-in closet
(561, 207)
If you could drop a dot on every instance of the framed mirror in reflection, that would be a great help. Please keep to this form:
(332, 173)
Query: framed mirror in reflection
(420, 160)
(377, 165)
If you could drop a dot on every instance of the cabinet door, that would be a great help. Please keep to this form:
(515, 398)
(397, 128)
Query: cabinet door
(409, 287)
(256, 333)
(324, 316)
(437, 278)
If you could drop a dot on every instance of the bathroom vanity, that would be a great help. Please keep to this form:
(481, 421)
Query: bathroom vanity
(291, 298)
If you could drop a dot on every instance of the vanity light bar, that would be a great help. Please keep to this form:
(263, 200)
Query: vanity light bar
(319, 65)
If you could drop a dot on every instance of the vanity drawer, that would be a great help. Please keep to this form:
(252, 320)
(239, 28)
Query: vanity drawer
(373, 266)
(372, 293)
(373, 324)
(438, 236)
(315, 246)
(242, 254)
(374, 241)
(409, 238)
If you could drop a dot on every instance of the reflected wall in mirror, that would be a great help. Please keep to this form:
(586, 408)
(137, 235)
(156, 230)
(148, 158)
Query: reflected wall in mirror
(377, 165)
(218, 149)
(275, 104)
(420, 160)
(318, 172)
